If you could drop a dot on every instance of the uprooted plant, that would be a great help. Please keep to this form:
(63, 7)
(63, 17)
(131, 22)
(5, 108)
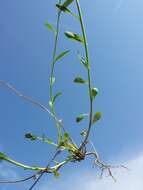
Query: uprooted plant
(65, 142)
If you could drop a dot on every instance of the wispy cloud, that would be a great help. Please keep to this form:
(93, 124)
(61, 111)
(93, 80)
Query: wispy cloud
(131, 180)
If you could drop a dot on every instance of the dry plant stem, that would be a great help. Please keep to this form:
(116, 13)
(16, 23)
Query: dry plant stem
(32, 101)
(101, 165)
(19, 181)
(104, 167)
(93, 154)
(89, 74)
(26, 98)
(93, 146)
(29, 99)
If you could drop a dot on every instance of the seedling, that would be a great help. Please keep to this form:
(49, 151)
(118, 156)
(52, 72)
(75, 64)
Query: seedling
(65, 142)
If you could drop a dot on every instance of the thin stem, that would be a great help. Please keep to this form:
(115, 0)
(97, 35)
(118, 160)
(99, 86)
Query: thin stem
(54, 52)
(20, 180)
(42, 172)
(46, 141)
(23, 165)
(57, 167)
(89, 73)
(58, 125)
(26, 98)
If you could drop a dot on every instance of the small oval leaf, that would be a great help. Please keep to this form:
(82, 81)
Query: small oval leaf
(66, 136)
(74, 36)
(96, 117)
(30, 136)
(80, 80)
(55, 97)
(61, 55)
(50, 27)
(82, 60)
(81, 117)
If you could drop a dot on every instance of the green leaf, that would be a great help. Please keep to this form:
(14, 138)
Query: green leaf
(67, 3)
(74, 36)
(50, 27)
(62, 144)
(30, 136)
(82, 60)
(80, 80)
(83, 133)
(66, 10)
(96, 117)
(81, 117)
(2, 156)
(56, 174)
(62, 8)
(94, 92)
(66, 136)
(52, 80)
(61, 55)
(55, 97)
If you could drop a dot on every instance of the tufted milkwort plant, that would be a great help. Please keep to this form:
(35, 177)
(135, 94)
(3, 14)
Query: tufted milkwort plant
(65, 142)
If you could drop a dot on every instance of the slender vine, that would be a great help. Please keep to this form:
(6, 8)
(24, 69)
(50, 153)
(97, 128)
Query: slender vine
(64, 141)
(88, 70)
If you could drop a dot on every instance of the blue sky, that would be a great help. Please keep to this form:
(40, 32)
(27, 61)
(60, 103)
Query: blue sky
(114, 31)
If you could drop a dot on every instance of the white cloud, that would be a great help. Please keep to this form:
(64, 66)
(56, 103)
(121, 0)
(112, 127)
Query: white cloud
(84, 180)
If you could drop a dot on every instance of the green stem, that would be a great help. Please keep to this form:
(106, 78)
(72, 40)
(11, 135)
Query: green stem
(23, 165)
(46, 141)
(26, 167)
(89, 73)
(58, 166)
(54, 53)
(52, 72)
(58, 124)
